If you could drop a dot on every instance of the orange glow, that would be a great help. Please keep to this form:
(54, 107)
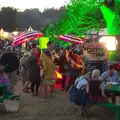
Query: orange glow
(58, 75)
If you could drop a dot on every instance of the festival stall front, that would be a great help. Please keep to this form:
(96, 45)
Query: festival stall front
(96, 56)
(112, 43)
(101, 53)
(95, 51)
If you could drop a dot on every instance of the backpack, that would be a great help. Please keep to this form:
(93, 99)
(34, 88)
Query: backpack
(77, 96)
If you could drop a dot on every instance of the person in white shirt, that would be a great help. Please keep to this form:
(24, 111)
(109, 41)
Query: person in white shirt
(82, 83)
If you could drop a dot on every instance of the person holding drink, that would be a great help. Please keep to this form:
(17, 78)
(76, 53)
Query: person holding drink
(110, 77)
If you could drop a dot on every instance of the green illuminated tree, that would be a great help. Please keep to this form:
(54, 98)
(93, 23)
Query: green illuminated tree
(52, 30)
(85, 15)
(82, 16)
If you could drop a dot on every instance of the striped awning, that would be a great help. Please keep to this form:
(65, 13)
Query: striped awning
(70, 38)
(27, 36)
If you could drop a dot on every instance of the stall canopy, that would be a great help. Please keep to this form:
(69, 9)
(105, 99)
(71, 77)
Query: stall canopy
(30, 29)
(70, 38)
(26, 37)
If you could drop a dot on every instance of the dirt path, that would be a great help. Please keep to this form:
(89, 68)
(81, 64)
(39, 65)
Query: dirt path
(56, 108)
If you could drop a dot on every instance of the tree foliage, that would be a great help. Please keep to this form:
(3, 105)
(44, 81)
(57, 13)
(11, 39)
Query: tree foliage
(37, 19)
(84, 16)
(111, 13)
(8, 18)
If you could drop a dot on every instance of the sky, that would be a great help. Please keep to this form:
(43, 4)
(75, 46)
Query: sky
(40, 4)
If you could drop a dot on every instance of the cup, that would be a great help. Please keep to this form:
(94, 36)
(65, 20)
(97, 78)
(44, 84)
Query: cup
(109, 86)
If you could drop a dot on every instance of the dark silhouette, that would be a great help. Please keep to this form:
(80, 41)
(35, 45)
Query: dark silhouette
(11, 19)
(8, 18)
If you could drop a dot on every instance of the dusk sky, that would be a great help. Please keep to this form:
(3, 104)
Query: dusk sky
(40, 4)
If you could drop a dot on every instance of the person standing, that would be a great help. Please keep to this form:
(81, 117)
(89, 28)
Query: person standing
(77, 67)
(24, 67)
(36, 52)
(64, 64)
(34, 73)
(11, 63)
(48, 71)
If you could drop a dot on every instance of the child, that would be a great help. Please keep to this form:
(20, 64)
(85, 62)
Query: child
(96, 88)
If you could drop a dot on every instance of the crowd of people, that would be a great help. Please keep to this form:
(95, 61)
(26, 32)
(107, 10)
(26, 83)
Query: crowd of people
(38, 72)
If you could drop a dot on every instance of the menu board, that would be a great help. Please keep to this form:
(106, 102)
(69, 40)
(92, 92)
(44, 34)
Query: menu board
(102, 65)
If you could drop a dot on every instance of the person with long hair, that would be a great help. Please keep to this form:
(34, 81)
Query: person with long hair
(96, 88)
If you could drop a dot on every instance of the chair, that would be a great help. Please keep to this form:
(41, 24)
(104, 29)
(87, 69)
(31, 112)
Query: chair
(5, 93)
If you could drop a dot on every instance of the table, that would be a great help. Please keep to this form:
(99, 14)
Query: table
(114, 89)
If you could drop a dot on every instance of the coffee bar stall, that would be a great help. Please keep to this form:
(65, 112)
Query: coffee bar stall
(112, 43)
(96, 56)
(101, 52)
